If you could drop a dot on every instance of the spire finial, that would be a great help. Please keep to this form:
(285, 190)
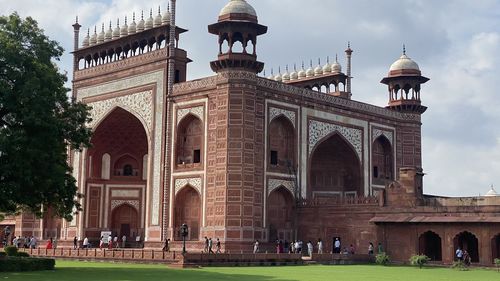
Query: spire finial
(102, 27)
(76, 21)
(118, 22)
(133, 16)
(95, 29)
(319, 61)
(168, 7)
(302, 64)
(142, 14)
(295, 67)
(88, 31)
(151, 13)
(272, 71)
(328, 59)
(404, 49)
(349, 44)
(336, 57)
(279, 69)
(311, 63)
(125, 20)
(286, 68)
(159, 13)
(264, 73)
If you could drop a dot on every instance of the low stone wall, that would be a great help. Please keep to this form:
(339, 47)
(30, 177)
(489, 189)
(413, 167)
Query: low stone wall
(245, 259)
(342, 259)
(139, 255)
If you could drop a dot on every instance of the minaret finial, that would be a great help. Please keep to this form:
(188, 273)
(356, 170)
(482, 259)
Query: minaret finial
(151, 13)
(272, 71)
(311, 63)
(95, 29)
(102, 27)
(349, 44)
(279, 69)
(328, 59)
(125, 20)
(159, 13)
(133, 16)
(168, 7)
(88, 31)
(295, 67)
(336, 57)
(142, 14)
(286, 68)
(319, 61)
(404, 49)
(76, 21)
(302, 64)
(118, 22)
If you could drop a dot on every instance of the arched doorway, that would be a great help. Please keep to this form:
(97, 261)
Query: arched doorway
(280, 215)
(467, 242)
(189, 144)
(495, 247)
(125, 221)
(382, 161)
(188, 211)
(281, 155)
(335, 170)
(430, 245)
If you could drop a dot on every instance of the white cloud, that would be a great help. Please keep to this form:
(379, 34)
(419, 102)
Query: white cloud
(456, 43)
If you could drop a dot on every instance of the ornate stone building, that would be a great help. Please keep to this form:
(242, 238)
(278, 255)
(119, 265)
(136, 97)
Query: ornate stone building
(242, 157)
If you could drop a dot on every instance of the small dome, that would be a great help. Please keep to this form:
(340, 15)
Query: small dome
(270, 77)
(238, 7)
(116, 31)
(336, 67)
(86, 40)
(109, 34)
(141, 24)
(132, 28)
(294, 75)
(278, 77)
(404, 63)
(166, 17)
(302, 73)
(491, 193)
(100, 38)
(158, 19)
(286, 76)
(318, 71)
(327, 68)
(124, 29)
(93, 38)
(310, 72)
(149, 21)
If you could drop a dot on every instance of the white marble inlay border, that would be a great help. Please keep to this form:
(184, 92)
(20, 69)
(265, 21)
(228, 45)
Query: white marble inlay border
(318, 130)
(273, 184)
(275, 112)
(124, 193)
(156, 77)
(196, 111)
(388, 134)
(133, 203)
(194, 182)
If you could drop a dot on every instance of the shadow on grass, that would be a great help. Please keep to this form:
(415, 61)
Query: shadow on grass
(131, 274)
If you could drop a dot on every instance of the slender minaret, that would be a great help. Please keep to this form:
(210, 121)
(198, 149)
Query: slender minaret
(170, 87)
(76, 30)
(348, 52)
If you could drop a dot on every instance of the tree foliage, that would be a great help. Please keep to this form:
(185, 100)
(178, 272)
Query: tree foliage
(38, 122)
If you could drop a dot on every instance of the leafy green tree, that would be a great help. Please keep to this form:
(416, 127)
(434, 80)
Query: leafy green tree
(38, 123)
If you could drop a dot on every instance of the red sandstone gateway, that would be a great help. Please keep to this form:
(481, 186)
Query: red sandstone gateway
(240, 157)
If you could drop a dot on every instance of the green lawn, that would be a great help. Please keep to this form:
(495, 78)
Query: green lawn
(76, 271)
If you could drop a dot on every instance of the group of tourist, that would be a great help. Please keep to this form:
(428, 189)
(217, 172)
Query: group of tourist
(23, 242)
(463, 256)
(297, 247)
(209, 246)
(111, 242)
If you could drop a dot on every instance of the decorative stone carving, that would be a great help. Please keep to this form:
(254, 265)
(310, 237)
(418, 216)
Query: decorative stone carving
(335, 101)
(275, 112)
(194, 182)
(318, 130)
(139, 103)
(157, 78)
(273, 184)
(378, 132)
(133, 203)
(124, 193)
(196, 111)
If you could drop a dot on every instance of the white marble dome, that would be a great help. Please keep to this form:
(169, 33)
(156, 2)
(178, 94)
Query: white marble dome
(404, 63)
(491, 193)
(238, 7)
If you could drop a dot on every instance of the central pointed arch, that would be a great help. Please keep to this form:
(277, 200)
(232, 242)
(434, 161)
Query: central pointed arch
(280, 214)
(467, 241)
(187, 210)
(335, 169)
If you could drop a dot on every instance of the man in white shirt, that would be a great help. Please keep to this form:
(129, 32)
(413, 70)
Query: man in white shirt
(115, 241)
(124, 240)
(336, 246)
(86, 243)
(320, 246)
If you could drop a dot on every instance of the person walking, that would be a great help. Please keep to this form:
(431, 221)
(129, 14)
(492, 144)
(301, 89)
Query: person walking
(115, 241)
(110, 242)
(210, 244)
(218, 247)
(380, 248)
(101, 242)
(256, 247)
(336, 246)
(310, 248)
(459, 254)
(166, 246)
(75, 243)
(86, 243)
(49, 244)
(124, 241)
(206, 245)
(320, 246)
(370, 248)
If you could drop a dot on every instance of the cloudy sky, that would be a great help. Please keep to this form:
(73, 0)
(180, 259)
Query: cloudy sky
(455, 42)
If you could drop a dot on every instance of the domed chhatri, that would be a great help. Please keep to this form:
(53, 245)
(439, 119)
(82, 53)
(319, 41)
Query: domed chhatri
(238, 7)
(237, 24)
(404, 63)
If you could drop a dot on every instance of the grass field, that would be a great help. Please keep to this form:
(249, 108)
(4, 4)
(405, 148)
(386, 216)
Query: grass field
(76, 271)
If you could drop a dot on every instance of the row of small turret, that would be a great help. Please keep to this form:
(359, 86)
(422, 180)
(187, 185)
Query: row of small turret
(126, 29)
(319, 70)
